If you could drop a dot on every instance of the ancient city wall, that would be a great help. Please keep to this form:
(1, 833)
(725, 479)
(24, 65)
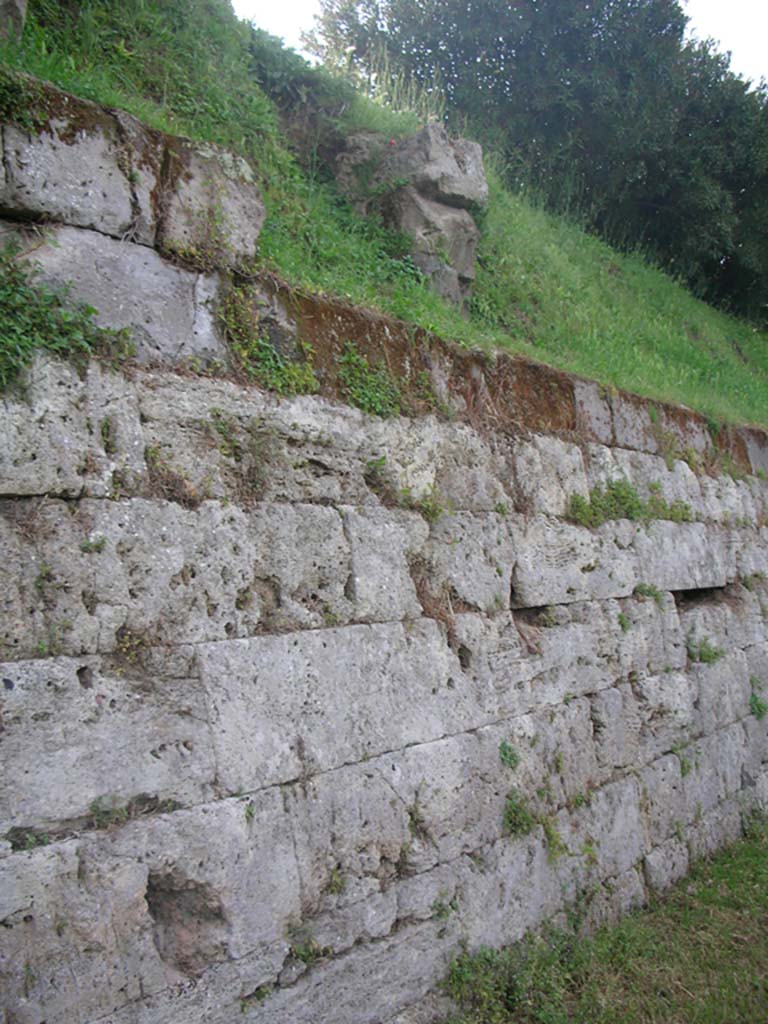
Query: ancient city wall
(297, 699)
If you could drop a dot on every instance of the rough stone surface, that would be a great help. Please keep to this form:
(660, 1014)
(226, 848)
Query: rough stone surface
(168, 312)
(212, 208)
(253, 714)
(449, 171)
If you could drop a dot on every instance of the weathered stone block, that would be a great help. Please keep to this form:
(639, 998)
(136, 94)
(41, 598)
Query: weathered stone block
(666, 864)
(71, 173)
(211, 208)
(548, 472)
(79, 734)
(168, 312)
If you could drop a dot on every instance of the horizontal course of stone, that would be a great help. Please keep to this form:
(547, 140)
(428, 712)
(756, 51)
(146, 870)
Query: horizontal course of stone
(255, 689)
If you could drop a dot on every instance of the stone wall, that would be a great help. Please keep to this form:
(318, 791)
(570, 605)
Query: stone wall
(296, 700)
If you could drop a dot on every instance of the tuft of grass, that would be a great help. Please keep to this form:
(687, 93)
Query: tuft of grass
(697, 954)
(649, 590)
(704, 651)
(518, 819)
(757, 705)
(508, 756)
(370, 388)
(619, 499)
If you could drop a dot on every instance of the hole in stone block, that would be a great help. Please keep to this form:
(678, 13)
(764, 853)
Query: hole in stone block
(85, 676)
(189, 925)
(700, 595)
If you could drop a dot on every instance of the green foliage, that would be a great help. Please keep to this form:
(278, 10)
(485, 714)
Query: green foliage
(697, 954)
(256, 356)
(33, 317)
(370, 388)
(623, 621)
(649, 590)
(618, 499)
(704, 651)
(508, 756)
(757, 705)
(518, 818)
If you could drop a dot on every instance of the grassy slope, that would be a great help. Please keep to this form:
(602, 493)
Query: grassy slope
(697, 956)
(544, 287)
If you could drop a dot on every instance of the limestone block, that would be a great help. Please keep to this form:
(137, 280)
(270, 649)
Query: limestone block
(666, 864)
(512, 888)
(78, 732)
(449, 171)
(616, 725)
(608, 831)
(70, 172)
(548, 472)
(292, 705)
(77, 939)
(716, 829)
(682, 556)
(444, 240)
(169, 312)
(381, 541)
(470, 560)
(648, 637)
(632, 424)
(667, 706)
(211, 207)
(593, 411)
(614, 901)
(665, 808)
(12, 16)
(723, 691)
(558, 563)
(53, 441)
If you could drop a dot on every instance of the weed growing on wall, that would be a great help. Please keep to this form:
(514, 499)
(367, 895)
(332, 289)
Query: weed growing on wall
(704, 651)
(34, 317)
(618, 499)
(370, 388)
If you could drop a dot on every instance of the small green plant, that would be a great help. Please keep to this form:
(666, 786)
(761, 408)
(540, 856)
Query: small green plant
(556, 848)
(431, 505)
(648, 590)
(95, 546)
(704, 651)
(686, 766)
(370, 388)
(757, 705)
(107, 814)
(618, 499)
(518, 819)
(34, 317)
(336, 883)
(501, 509)
(508, 756)
(442, 908)
(623, 621)
(752, 581)
(250, 811)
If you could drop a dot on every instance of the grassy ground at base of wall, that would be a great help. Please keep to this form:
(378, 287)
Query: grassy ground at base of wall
(544, 287)
(697, 956)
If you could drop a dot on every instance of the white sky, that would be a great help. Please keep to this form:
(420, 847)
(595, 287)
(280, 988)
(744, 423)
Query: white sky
(740, 26)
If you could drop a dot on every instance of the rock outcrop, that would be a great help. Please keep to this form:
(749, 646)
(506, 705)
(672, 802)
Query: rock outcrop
(424, 186)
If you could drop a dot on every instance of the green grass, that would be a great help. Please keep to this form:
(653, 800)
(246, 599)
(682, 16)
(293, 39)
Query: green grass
(544, 287)
(696, 956)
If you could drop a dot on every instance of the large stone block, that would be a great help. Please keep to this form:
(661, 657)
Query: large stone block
(71, 172)
(84, 738)
(548, 472)
(211, 209)
(287, 706)
(449, 171)
(168, 312)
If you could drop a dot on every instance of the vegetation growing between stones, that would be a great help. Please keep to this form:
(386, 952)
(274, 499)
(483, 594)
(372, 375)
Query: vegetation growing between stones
(35, 317)
(543, 286)
(618, 499)
(370, 388)
(697, 954)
